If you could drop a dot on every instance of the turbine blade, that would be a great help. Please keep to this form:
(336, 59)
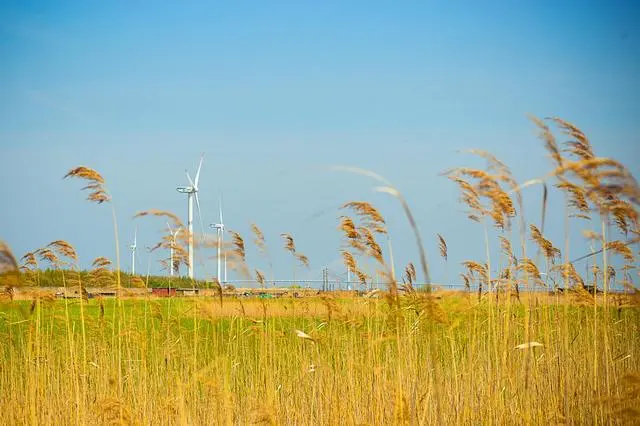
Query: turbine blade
(198, 172)
(199, 214)
(190, 181)
(220, 203)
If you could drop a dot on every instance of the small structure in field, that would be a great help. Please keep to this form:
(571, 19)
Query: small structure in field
(163, 292)
(187, 291)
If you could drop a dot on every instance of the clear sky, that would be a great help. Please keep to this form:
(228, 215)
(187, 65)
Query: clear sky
(275, 92)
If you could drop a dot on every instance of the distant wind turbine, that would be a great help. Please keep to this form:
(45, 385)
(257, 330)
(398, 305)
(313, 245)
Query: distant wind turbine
(192, 192)
(133, 251)
(219, 227)
(173, 234)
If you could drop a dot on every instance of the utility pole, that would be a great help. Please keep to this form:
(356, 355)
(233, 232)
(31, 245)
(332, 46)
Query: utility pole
(325, 279)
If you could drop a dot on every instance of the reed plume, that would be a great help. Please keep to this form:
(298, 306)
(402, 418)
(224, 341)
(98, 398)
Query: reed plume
(527, 265)
(370, 216)
(64, 249)
(260, 277)
(410, 273)
(238, 245)
(161, 213)
(442, 245)
(349, 260)
(550, 141)
(97, 191)
(304, 260)
(621, 248)
(100, 274)
(349, 228)
(550, 252)
(362, 277)
(29, 260)
(466, 280)
(289, 243)
(498, 204)
(258, 238)
(9, 271)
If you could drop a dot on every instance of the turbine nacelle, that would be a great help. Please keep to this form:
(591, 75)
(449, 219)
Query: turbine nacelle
(185, 189)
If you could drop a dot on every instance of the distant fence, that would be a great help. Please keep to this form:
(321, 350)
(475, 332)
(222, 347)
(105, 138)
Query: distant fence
(333, 285)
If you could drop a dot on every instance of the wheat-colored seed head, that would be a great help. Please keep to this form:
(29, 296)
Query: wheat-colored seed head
(304, 260)
(570, 274)
(362, 277)
(86, 173)
(100, 275)
(576, 194)
(64, 249)
(289, 243)
(501, 207)
(238, 245)
(373, 248)
(466, 279)
(622, 249)
(101, 262)
(259, 277)
(475, 267)
(161, 213)
(527, 265)
(370, 215)
(550, 252)
(98, 193)
(580, 146)
(505, 245)
(410, 273)
(550, 141)
(348, 227)
(29, 261)
(258, 239)
(349, 260)
(624, 215)
(7, 259)
(46, 254)
(442, 245)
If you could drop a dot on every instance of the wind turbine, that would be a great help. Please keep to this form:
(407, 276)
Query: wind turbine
(173, 234)
(219, 227)
(192, 192)
(133, 251)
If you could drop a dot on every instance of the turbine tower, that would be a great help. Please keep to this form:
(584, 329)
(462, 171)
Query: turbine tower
(192, 192)
(173, 234)
(219, 227)
(133, 251)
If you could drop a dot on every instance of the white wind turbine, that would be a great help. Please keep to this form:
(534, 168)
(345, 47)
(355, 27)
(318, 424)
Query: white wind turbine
(192, 192)
(173, 234)
(133, 251)
(219, 227)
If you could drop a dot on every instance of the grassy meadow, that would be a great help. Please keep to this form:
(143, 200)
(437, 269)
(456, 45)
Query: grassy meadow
(496, 353)
(195, 361)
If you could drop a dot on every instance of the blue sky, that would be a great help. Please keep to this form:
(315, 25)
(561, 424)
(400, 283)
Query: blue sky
(274, 93)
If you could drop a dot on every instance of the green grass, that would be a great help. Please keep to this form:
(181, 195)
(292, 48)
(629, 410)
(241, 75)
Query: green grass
(194, 361)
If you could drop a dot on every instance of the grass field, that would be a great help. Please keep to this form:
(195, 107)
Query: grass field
(195, 361)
